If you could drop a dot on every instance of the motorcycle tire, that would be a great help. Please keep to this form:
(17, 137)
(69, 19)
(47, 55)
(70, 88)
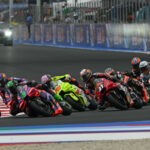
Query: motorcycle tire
(74, 104)
(30, 112)
(67, 109)
(113, 99)
(93, 103)
(40, 107)
(138, 102)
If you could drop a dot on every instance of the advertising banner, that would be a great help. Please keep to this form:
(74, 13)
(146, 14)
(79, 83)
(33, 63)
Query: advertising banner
(48, 34)
(24, 33)
(121, 36)
(99, 35)
(81, 34)
(37, 33)
(16, 34)
(147, 37)
(63, 34)
(115, 36)
(135, 35)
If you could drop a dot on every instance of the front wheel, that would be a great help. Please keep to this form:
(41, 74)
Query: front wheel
(117, 102)
(75, 104)
(40, 107)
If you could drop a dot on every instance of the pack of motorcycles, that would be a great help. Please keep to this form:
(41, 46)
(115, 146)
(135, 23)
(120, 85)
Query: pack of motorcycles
(107, 93)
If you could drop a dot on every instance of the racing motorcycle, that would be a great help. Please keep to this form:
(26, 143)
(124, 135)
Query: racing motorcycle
(32, 104)
(74, 96)
(112, 93)
(135, 88)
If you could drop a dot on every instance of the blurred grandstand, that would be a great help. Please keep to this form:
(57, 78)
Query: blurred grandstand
(110, 11)
(97, 11)
(94, 11)
(18, 10)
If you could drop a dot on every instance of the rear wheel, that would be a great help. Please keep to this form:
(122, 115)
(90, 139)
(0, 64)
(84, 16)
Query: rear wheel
(75, 105)
(119, 103)
(138, 101)
(40, 107)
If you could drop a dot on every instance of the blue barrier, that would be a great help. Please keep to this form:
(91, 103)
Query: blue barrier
(81, 35)
(98, 36)
(115, 36)
(63, 34)
(48, 34)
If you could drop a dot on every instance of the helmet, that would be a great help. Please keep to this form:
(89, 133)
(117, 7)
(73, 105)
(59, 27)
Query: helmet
(46, 78)
(2, 77)
(135, 62)
(12, 85)
(110, 71)
(85, 75)
(144, 66)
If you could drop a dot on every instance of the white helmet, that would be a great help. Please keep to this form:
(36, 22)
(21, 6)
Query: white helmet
(144, 65)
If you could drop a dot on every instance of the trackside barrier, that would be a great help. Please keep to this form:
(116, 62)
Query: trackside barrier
(98, 36)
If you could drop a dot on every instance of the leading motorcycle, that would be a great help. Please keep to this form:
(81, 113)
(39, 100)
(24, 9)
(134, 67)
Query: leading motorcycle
(112, 93)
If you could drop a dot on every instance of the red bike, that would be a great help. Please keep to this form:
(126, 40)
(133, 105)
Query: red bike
(112, 93)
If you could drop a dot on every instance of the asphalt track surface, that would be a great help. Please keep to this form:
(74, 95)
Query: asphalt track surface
(33, 61)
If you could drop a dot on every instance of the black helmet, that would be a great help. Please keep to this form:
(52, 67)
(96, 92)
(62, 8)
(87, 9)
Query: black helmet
(144, 66)
(85, 75)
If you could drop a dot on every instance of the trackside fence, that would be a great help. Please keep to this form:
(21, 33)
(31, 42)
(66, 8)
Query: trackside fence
(98, 36)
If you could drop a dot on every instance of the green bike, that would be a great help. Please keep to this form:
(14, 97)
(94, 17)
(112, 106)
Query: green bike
(74, 96)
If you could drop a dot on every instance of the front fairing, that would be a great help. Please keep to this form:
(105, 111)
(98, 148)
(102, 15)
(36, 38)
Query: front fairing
(71, 90)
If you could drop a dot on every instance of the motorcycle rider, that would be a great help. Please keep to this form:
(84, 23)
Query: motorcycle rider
(2, 85)
(145, 77)
(3, 90)
(17, 102)
(68, 78)
(145, 71)
(4, 80)
(47, 86)
(135, 74)
(48, 82)
(15, 97)
(92, 81)
(88, 78)
(135, 67)
(115, 76)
